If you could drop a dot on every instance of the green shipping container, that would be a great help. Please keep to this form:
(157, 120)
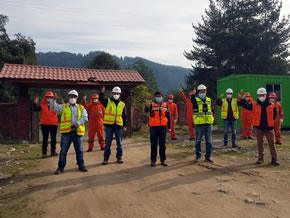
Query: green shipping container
(250, 83)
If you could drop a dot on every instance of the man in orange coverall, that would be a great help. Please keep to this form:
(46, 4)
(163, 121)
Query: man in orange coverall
(174, 115)
(247, 117)
(189, 113)
(96, 113)
(279, 118)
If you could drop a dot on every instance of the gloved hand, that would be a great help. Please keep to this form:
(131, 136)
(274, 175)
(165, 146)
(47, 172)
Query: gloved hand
(281, 120)
(175, 121)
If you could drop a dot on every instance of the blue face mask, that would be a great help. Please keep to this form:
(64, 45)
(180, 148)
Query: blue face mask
(202, 95)
(158, 99)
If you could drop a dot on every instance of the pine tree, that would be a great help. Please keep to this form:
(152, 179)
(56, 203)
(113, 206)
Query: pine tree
(239, 37)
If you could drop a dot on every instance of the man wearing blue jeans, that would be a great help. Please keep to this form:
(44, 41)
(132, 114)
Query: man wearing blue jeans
(203, 120)
(114, 121)
(72, 129)
(230, 115)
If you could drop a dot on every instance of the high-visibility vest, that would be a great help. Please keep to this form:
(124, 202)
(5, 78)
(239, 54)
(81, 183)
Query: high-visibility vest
(159, 115)
(225, 107)
(200, 117)
(257, 110)
(48, 116)
(66, 122)
(113, 113)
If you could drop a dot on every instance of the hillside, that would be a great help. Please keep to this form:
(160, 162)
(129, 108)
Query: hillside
(168, 77)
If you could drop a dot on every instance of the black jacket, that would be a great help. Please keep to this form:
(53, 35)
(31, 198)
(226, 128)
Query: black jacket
(264, 119)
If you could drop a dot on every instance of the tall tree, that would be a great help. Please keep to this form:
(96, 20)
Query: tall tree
(239, 37)
(103, 61)
(146, 73)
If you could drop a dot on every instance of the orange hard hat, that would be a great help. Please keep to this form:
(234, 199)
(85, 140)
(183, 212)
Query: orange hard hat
(95, 96)
(273, 95)
(247, 94)
(49, 94)
(190, 93)
(170, 97)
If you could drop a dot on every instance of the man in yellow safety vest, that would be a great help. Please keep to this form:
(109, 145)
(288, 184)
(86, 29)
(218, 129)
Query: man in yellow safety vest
(114, 122)
(230, 115)
(203, 120)
(72, 129)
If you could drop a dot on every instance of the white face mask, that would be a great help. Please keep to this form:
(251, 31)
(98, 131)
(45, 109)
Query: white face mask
(272, 100)
(95, 101)
(229, 95)
(170, 100)
(247, 98)
(49, 100)
(262, 99)
(116, 97)
(72, 100)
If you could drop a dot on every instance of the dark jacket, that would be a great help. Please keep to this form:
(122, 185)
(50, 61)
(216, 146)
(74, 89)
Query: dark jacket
(264, 119)
(104, 102)
(219, 102)
(149, 110)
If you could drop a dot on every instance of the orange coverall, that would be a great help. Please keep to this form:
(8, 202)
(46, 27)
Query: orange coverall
(96, 114)
(189, 114)
(174, 116)
(277, 122)
(247, 117)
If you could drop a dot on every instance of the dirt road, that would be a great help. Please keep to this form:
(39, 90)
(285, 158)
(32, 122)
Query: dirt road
(134, 189)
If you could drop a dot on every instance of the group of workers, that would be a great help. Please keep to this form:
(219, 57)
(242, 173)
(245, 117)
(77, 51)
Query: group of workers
(109, 115)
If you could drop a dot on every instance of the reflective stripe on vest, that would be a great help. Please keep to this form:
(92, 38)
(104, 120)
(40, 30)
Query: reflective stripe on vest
(257, 111)
(225, 107)
(159, 118)
(113, 113)
(200, 117)
(66, 121)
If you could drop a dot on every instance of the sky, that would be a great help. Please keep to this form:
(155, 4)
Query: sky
(158, 30)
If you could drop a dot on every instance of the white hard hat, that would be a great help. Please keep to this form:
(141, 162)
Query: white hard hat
(116, 89)
(229, 90)
(261, 91)
(201, 87)
(73, 92)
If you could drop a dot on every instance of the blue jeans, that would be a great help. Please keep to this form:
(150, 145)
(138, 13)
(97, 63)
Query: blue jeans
(66, 140)
(206, 130)
(227, 125)
(109, 137)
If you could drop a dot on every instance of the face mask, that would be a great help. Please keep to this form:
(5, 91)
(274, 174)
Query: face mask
(262, 99)
(229, 96)
(158, 99)
(272, 100)
(170, 100)
(202, 95)
(72, 100)
(247, 99)
(48, 100)
(95, 101)
(116, 97)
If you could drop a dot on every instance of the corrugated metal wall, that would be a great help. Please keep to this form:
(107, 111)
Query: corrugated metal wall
(250, 83)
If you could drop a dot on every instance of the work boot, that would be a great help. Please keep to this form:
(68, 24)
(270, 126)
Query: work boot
(250, 137)
(197, 159)
(163, 163)
(152, 164)
(225, 145)
(44, 156)
(53, 154)
(83, 169)
(102, 148)
(236, 146)
(244, 137)
(275, 162)
(58, 171)
(260, 161)
(278, 143)
(173, 138)
(191, 139)
(90, 150)
(105, 162)
(119, 160)
(208, 160)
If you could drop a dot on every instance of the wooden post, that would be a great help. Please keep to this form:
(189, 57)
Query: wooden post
(34, 125)
(126, 94)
